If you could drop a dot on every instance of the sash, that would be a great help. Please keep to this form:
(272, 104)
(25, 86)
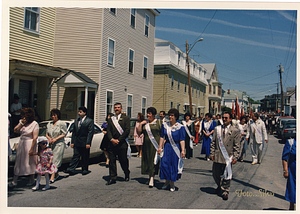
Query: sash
(259, 132)
(207, 129)
(120, 130)
(188, 132)
(227, 172)
(154, 143)
(174, 146)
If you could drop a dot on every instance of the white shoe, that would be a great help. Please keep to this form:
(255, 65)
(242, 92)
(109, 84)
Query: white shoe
(208, 159)
(46, 187)
(253, 163)
(172, 189)
(35, 188)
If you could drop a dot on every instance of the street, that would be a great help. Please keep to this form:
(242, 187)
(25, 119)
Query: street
(253, 187)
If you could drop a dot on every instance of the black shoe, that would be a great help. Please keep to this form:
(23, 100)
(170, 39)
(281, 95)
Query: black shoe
(218, 190)
(127, 178)
(111, 182)
(225, 196)
(70, 172)
(85, 172)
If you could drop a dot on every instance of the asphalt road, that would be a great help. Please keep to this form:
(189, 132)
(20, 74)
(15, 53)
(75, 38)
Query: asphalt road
(253, 187)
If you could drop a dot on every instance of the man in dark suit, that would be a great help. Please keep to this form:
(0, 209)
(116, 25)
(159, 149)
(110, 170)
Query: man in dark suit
(82, 136)
(229, 136)
(118, 145)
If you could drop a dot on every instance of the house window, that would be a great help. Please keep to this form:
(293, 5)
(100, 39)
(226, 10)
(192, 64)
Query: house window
(209, 89)
(172, 82)
(178, 105)
(113, 10)
(111, 52)
(171, 106)
(32, 19)
(132, 17)
(179, 55)
(144, 103)
(109, 101)
(147, 20)
(131, 55)
(129, 105)
(145, 67)
(214, 89)
(192, 90)
(178, 85)
(184, 86)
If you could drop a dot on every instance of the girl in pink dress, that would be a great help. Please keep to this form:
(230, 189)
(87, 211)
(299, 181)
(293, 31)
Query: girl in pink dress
(138, 139)
(45, 165)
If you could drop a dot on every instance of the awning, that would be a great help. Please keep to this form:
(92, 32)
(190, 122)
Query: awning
(76, 79)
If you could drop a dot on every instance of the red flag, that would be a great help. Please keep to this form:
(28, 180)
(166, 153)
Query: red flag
(242, 111)
(237, 108)
(232, 110)
(251, 112)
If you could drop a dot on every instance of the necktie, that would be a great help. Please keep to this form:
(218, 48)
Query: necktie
(223, 132)
(80, 122)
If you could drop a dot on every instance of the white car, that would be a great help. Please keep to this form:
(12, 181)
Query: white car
(68, 153)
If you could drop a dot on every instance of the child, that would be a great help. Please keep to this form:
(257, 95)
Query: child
(45, 165)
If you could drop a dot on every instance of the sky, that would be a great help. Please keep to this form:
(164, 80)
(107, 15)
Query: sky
(247, 45)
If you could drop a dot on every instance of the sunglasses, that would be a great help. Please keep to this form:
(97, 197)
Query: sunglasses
(43, 143)
(224, 117)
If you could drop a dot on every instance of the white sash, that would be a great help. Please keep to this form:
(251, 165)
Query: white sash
(120, 130)
(257, 130)
(154, 143)
(207, 129)
(188, 132)
(227, 172)
(174, 146)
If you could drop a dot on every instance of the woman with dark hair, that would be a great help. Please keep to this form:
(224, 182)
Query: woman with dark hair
(56, 132)
(105, 140)
(138, 139)
(190, 134)
(208, 128)
(172, 140)
(25, 163)
(151, 132)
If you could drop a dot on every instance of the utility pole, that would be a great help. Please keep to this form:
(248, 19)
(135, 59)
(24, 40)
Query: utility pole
(280, 71)
(277, 97)
(189, 77)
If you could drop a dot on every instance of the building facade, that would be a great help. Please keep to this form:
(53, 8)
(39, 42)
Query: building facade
(31, 49)
(170, 85)
(213, 89)
(111, 54)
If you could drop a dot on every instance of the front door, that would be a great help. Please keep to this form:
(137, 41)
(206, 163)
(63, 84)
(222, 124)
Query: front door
(91, 103)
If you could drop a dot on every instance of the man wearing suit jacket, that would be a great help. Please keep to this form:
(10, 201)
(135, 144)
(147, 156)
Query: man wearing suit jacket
(257, 133)
(228, 136)
(118, 145)
(82, 136)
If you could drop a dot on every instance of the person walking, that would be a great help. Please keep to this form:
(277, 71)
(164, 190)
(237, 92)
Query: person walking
(172, 141)
(83, 133)
(45, 164)
(151, 131)
(138, 139)
(25, 163)
(118, 130)
(105, 140)
(224, 149)
(208, 128)
(189, 136)
(289, 171)
(258, 135)
(56, 132)
(243, 127)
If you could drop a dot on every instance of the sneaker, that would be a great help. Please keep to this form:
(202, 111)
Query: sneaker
(208, 159)
(172, 189)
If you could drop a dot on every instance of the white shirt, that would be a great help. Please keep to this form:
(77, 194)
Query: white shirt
(118, 116)
(15, 107)
(81, 121)
(226, 128)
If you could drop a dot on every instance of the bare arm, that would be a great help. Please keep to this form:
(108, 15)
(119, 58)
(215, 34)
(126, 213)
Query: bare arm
(285, 169)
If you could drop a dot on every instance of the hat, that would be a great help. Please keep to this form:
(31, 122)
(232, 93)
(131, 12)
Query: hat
(41, 139)
(16, 97)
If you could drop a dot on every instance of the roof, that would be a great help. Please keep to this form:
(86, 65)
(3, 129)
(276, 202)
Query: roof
(233, 94)
(210, 67)
(75, 79)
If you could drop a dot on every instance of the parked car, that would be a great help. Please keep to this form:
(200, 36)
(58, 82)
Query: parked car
(289, 130)
(68, 154)
(279, 124)
(131, 134)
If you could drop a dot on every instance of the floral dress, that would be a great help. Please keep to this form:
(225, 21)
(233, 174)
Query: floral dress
(44, 159)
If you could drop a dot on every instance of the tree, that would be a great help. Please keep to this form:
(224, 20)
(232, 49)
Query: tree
(225, 108)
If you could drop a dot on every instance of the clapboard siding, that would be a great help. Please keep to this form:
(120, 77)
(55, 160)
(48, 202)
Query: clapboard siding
(78, 44)
(117, 27)
(30, 47)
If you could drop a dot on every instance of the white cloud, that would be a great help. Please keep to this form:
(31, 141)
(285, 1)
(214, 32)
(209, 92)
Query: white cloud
(287, 16)
(234, 39)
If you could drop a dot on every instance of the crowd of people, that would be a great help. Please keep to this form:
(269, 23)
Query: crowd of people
(162, 144)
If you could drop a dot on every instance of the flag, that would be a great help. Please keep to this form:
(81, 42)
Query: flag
(251, 112)
(237, 108)
(242, 111)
